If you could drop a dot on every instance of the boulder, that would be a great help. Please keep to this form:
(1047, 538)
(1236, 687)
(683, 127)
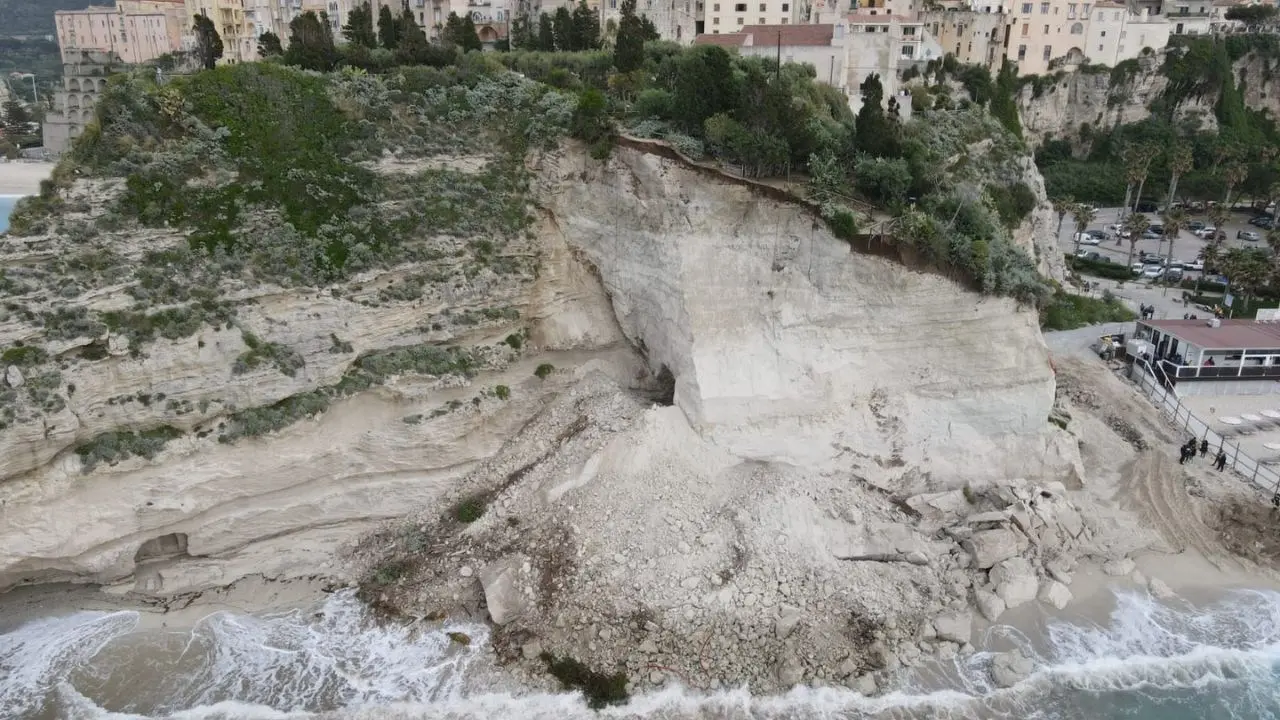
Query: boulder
(502, 594)
(1059, 569)
(1009, 669)
(787, 621)
(990, 605)
(1015, 581)
(989, 547)
(865, 684)
(956, 627)
(531, 650)
(118, 345)
(790, 672)
(1054, 594)
(13, 377)
(1159, 589)
(1117, 568)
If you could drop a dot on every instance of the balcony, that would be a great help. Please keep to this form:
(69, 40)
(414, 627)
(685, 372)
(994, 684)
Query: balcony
(1221, 372)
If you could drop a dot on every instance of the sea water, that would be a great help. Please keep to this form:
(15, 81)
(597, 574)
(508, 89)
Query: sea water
(6, 207)
(1152, 659)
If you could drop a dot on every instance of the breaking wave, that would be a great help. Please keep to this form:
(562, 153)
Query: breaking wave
(1151, 660)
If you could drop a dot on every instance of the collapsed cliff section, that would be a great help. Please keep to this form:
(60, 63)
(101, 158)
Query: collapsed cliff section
(765, 522)
(260, 345)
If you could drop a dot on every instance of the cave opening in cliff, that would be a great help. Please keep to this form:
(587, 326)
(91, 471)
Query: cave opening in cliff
(159, 548)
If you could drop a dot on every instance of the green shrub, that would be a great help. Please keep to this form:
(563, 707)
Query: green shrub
(1066, 311)
(515, 341)
(544, 370)
(1113, 271)
(285, 359)
(843, 224)
(502, 392)
(470, 509)
(112, 447)
(256, 422)
(23, 356)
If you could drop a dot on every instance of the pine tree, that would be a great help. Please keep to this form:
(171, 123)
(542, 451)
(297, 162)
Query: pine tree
(16, 118)
(311, 43)
(628, 51)
(470, 39)
(208, 43)
(359, 29)
(586, 27)
(387, 29)
(546, 33)
(522, 37)
(562, 22)
(648, 30)
(269, 45)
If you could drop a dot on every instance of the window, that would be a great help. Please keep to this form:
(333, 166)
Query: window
(716, 7)
(908, 31)
(715, 21)
(1117, 17)
(760, 21)
(1103, 34)
(1077, 28)
(1044, 8)
(786, 7)
(740, 21)
(1026, 30)
(1124, 34)
(761, 7)
(1026, 8)
(784, 20)
(1046, 29)
(1048, 52)
(1071, 11)
(1022, 52)
(908, 51)
(1085, 9)
(740, 7)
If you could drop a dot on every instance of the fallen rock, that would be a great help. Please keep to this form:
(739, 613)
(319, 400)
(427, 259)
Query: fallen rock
(866, 685)
(790, 672)
(502, 594)
(1055, 594)
(656, 677)
(1009, 669)
(1016, 582)
(117, 345)
(1117, 568)
(1059, 569)
(648, 647)
(13, 377)
(1160, 589)
(989, 547)
(956, 627)
(989, 604)
(531, 650)
(996, 516)
(788, 619)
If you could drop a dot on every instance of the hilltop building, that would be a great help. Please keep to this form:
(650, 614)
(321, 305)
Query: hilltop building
(84, 77)
(134, 30)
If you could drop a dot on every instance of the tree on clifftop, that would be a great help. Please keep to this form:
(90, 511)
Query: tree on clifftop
(311, 43)
(388, 30)
(873, 132)
(546, 34)
(461, 33)
(628, 50)
(269, 45)
(359, 28)
(208, 43)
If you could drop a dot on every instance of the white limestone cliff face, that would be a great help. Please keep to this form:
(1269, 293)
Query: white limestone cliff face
(787, 347)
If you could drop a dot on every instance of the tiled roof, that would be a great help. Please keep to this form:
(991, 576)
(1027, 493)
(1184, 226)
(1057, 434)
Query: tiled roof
(1230, 335)
(728, 40)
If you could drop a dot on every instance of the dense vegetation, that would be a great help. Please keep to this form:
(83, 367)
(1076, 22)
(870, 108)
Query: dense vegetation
(33, 17)
(1238, 160)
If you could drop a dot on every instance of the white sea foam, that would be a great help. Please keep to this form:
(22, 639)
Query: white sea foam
(336, 663)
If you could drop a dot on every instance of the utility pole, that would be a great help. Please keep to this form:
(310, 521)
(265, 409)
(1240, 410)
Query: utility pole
(777, 73)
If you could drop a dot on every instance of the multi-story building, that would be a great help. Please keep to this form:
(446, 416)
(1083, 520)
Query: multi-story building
(731, 16)
(843, 54)
(84, 77)
(239, 39)
(974, 37)
(1186, 17)
(1115, 33)
(676, 20)
(135, 31)
(1043, 33)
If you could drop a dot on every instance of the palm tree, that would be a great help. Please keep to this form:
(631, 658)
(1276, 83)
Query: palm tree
(1137, 165)
(1180, 163)
(1233, 175)
(1083, 215)
(1174, 221)
(1135, 224)
(1062, 206)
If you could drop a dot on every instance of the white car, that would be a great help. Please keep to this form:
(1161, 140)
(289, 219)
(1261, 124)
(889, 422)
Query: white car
(1138, 268)
(1206, 233)
(1085, 238)
(1196, 264)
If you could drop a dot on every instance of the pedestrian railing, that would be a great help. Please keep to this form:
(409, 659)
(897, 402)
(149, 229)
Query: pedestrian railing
(1265, 477)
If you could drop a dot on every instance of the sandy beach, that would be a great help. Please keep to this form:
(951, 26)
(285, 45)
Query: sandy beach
(23, 178)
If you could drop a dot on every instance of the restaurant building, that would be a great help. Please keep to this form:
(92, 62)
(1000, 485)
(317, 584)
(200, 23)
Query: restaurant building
(1214, 357)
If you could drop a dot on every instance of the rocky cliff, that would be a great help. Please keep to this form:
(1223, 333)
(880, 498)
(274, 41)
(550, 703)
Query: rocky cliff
(1062, 105)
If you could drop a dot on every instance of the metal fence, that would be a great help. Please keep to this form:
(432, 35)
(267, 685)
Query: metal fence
(1265, 477)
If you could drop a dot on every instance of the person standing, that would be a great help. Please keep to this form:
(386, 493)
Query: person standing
(1221, 461)
(1204, 447)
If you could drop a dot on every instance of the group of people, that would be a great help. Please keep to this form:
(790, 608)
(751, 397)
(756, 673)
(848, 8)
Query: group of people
(1147, 311)
(1189, 453)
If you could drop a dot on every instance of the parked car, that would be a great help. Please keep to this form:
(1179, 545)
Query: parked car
(1263, 221)
(1157, 229)
(1146, 206)
(1153, 272)
(1197, 265)
(1095, 256)
(1085, 238)
(1151, 235)
(1248, 236)
(1195, 226)
(1137, 268)
(1100, 234)
(1206, 232)
(1173, 275)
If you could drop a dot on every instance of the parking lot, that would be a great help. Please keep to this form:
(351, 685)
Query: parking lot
(1185, 248)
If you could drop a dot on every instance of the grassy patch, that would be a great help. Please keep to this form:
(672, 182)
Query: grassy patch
(285, 359)
(544, 370)
(600, 689)
(502, 392)
(389, 572)
(23, 356)
(1066, 311)
(470, 509)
